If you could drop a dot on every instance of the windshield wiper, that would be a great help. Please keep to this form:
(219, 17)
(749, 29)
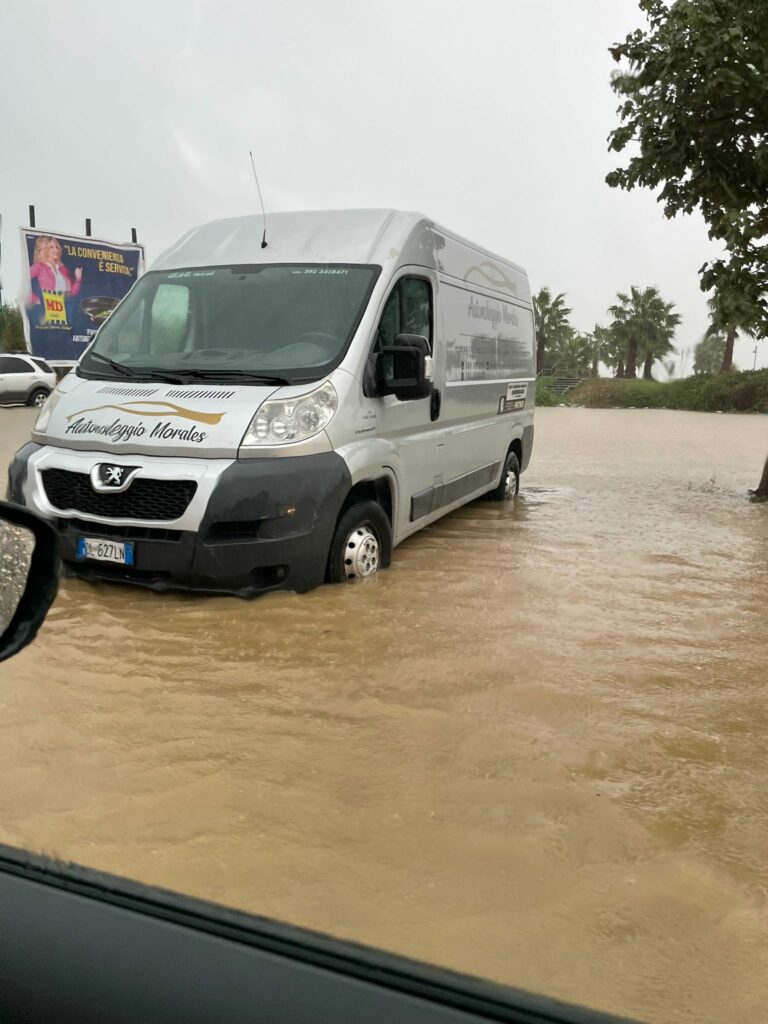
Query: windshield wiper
(244, 375)
(184, 374)
(145, 372)
(120, 367)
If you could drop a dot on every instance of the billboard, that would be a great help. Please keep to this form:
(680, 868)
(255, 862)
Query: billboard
(70, 286)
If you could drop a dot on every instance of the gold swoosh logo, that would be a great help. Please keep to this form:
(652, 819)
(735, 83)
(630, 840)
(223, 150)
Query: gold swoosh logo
(159, 409)
(494, 275)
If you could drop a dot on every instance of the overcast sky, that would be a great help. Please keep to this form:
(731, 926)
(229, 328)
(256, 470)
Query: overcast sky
(490, 117)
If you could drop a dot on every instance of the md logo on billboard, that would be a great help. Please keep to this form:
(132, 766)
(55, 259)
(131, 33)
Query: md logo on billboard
(55, 312)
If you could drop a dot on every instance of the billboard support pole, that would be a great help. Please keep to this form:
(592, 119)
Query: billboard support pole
(87, 227)
(134, 237)
(31, 216)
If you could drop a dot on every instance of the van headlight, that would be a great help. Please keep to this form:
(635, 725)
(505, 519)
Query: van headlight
(41, 423)
(283, 421)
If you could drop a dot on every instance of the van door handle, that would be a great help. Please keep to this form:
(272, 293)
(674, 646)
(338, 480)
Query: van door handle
(435, 402)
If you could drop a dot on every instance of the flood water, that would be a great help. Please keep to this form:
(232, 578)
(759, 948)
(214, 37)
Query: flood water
(534, 750)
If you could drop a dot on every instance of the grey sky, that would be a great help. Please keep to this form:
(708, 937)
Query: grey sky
(490, 117)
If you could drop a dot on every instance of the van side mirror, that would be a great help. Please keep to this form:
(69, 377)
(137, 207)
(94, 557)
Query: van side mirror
(402, 368)
(29, 576)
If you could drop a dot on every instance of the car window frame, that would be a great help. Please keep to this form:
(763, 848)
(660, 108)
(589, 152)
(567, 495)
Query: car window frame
(370, 389)
(165, 956)
(17, 357)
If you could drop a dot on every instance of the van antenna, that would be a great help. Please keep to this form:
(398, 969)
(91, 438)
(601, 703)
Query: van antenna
(263, 211)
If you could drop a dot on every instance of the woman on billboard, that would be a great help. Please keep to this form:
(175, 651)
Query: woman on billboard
(50, 273)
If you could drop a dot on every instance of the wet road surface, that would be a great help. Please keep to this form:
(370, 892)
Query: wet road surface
(535, 749)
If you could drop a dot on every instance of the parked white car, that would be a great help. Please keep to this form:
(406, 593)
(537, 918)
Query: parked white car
(25, 380)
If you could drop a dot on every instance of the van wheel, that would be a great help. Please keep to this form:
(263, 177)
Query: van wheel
(509, 484)
(37, 398)
(361, 545)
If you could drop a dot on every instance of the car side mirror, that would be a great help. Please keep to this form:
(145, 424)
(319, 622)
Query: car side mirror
(29, 576)
(404, 369)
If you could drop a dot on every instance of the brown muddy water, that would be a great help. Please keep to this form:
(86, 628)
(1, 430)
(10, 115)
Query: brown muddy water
(534, 750)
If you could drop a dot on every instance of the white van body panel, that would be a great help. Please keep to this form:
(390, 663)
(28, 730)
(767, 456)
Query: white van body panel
(383, 237)
(154, 418)
(430, 455)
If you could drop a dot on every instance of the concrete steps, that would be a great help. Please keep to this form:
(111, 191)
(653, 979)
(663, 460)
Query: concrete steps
(562, 385)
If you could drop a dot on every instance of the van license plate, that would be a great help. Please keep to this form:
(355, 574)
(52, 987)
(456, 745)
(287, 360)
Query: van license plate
(104, 551)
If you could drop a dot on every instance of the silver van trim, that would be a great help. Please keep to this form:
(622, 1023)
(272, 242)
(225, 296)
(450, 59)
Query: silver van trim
(493, 380)
(205, 473)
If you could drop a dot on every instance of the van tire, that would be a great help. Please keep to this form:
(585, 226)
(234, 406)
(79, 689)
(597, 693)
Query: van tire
(361, 545)
(509, 484)
(38, 397)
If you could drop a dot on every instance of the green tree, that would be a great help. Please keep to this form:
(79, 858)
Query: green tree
(612, 347)
(574, 354)
(11, 329)
(552, 325)
(709, 353)
(658, 341)
(645, 324)
(695, 114)
(728, 319)
(602, 348)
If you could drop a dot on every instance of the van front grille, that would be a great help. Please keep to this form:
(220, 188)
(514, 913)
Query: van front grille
(145, 498)
(219, 533)
(90, 529)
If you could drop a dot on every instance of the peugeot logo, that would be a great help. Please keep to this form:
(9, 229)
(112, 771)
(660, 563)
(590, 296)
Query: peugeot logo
(107, 476)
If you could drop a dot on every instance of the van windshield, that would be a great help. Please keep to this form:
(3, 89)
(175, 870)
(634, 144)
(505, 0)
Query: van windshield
(287, 321)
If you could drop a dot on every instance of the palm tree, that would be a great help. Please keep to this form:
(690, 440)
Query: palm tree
(602, 348)
(645, 324)
(659, 341)
(729, 316)
(614, 350)
(610, 347)
(552, 325)
(574, 355)
(623, 330)
(709, 353)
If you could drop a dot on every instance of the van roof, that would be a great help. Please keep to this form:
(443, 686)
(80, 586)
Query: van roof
(313, 236)
(304, 236)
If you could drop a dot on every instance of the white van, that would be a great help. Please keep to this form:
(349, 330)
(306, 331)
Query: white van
(259, 417)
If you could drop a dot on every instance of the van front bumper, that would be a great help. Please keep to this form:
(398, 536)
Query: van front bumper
(258, 524)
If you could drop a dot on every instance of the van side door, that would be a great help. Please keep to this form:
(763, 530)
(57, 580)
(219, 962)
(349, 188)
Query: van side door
(411, 426)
